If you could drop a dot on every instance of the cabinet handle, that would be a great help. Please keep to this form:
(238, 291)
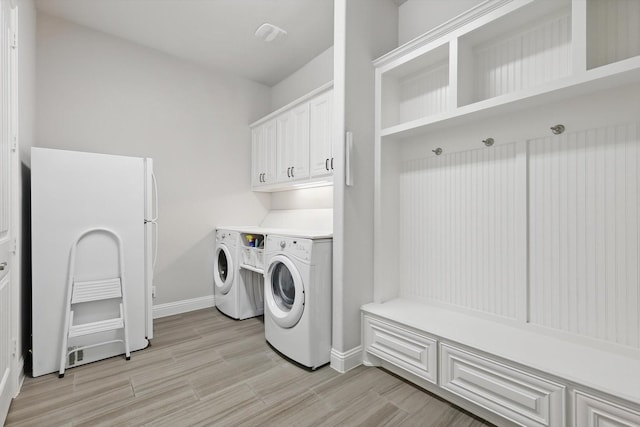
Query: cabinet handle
(291, 171)
(259, 177)
(3, 265)
(326, 164)
(262, 177)
(332, 163)
(288, 172)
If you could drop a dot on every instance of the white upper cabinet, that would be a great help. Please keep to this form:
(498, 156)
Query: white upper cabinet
(263, 154)
(292, 147)
(320, 142)
(292, 144)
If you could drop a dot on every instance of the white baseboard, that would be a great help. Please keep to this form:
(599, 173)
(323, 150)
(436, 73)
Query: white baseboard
(342, 362)
(184, 306)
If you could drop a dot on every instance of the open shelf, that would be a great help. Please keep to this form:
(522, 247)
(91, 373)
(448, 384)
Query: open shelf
(417, 88)
(521, 50)
(613, 32)
(606, 77)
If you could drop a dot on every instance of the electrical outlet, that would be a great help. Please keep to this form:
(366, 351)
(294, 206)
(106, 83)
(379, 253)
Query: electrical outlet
(153, 292)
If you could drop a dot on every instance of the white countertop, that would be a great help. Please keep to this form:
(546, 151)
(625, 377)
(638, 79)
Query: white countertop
(304, 234)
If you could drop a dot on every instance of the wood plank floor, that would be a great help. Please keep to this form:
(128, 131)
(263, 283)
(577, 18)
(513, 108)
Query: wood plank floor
(205, 369)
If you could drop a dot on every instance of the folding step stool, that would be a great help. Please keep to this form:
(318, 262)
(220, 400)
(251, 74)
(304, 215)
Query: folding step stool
(80, 292)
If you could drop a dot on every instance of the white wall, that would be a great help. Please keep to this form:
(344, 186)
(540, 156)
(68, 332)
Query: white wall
(365, 29)
(103, 94)
(312, 75)
(419, 16)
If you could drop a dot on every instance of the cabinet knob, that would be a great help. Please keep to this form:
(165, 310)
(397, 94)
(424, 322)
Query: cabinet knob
(3, 265)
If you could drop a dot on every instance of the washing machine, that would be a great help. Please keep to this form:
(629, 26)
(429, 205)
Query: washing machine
(234, 295)
(297, 296)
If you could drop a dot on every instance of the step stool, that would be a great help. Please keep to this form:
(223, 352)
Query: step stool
(83, 292)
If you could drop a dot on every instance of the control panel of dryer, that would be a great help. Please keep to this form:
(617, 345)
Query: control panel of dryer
(295, 246)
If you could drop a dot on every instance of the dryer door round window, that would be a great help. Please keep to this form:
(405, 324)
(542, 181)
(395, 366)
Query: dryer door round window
(284, 292)
(223, 269)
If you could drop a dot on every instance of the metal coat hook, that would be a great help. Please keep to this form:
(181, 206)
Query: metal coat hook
(557, 129)
(438, 151)
(488, 142)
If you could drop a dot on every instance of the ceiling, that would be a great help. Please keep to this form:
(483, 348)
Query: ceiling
(218, 34)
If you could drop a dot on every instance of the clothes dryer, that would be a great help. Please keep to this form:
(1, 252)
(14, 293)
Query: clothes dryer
(233, 296)
(298, 282)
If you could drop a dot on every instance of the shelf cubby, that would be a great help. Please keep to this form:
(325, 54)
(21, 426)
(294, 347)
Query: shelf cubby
(521, 50)
(418, 88)
(613, 31)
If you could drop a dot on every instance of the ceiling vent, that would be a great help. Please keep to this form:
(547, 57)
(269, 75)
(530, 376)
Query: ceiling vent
(269, 32)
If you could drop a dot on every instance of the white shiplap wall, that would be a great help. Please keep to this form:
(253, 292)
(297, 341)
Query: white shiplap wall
(584, 236)
(425, 93)
(459, 219)
(613, 32)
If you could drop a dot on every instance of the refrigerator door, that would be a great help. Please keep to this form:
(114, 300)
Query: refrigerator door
(70, 193)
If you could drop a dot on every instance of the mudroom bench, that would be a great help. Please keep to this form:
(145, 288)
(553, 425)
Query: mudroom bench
(507, 374)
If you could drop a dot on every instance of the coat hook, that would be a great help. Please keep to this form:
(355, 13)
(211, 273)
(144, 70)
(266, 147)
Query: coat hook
(557, 129)
(488, 142)
(438, 151)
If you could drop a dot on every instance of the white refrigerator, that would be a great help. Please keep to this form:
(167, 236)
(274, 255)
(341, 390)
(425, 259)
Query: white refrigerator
(72, 192)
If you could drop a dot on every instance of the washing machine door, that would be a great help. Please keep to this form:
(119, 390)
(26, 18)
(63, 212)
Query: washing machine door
(223, 269)
(284, 292)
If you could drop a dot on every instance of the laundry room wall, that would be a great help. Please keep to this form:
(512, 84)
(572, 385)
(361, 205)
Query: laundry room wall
(310, 76)
(103, 94)
(419, 16)
(365, 29)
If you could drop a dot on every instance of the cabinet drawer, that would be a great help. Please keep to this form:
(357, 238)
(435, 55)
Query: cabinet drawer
(519, 396)
(406, 349)
(592, 411)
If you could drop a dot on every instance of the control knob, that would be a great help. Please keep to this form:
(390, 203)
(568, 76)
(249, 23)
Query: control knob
(283, 244)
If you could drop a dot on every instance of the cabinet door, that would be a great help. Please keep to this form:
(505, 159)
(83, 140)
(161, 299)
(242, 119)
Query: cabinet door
(320, 138)
(591, 411)
(263, 152)
(510, 392)
(292, 138)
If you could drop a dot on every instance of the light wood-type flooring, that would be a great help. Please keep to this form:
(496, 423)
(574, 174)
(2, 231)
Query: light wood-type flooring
(203, 369)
